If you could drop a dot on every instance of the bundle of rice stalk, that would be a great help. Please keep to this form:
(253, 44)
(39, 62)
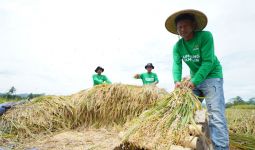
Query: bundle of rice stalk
(107, 105)
(167, 123)
(103, 105)
(42, 115)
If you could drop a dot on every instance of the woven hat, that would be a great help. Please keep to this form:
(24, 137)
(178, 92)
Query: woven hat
(200, 19)
(99, 68)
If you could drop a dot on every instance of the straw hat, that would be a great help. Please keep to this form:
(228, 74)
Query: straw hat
(200, 18)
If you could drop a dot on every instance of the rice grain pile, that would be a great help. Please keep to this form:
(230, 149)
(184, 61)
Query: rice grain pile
(167, 123)
(103, 105)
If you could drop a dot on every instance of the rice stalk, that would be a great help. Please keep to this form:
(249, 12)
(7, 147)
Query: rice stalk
(165, 124)
(103, 105)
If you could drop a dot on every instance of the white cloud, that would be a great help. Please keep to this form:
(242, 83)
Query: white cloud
(53, 46)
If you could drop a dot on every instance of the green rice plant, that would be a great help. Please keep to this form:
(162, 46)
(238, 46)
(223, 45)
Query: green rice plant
(243, 106)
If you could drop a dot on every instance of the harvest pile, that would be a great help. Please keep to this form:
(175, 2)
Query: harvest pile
(154, 119)
(104, 105)
(168, 123)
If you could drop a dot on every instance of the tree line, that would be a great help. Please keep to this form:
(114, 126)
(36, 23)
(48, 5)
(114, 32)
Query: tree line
(240, 101)
(11, 95)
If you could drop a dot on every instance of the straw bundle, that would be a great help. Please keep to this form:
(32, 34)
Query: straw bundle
(103, 105)
(167, 123)
(43, 115)
(115, 104)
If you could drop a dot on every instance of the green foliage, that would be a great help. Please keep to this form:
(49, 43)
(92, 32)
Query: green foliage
(243, 106)
(235, 102)
(31, 96)
(12, 90)
(3, 100)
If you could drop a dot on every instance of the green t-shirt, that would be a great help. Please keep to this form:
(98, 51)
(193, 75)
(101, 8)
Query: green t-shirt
(100, 79)
(198, 54)
(148, 78)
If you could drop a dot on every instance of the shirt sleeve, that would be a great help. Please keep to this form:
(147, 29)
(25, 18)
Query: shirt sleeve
(177, 65)
(141, 76)
(107, 80)
(156, 78)
(96, 80)
(207, 56)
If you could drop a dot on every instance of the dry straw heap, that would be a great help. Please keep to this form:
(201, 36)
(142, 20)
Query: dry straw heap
(103, 105)
(168, 123)
(154, 119)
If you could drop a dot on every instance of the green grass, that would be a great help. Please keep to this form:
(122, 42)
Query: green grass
(243, 106)
(3, 100)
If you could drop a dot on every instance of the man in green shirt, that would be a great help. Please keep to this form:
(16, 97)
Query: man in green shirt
(99, 78)
(196, 49)
(148, 77)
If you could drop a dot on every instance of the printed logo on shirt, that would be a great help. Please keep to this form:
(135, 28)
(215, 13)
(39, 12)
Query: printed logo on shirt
(149, 79)
(196, 47)
(192, 58)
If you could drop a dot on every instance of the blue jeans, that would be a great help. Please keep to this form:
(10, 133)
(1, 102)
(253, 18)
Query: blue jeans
(212, 91)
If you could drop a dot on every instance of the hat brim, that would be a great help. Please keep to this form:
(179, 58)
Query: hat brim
(200, 18)
(149, 66)
(99, 69)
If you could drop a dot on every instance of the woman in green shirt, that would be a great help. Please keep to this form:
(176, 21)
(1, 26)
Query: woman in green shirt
(99, 78)
(149, 77)
(196, 49)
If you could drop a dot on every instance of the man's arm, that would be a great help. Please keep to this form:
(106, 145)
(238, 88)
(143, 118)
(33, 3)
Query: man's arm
(107, 80)
(177, 65)
(208, 57)
(156, 79)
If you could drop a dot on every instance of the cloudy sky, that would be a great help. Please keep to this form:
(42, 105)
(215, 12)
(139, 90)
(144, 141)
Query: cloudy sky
(53, 46)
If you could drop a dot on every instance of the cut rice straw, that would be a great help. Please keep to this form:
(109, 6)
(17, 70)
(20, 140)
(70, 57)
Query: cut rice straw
(165, 124)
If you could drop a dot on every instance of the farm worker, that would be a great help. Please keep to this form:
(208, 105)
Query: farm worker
(99, 78)
(196, 49)
(148, 77)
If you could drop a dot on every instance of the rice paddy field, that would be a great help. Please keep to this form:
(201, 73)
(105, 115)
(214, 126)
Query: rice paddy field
(106, 116)
(241, 123)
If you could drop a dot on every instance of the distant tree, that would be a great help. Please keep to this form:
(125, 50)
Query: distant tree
(252, 101)
(238, 100)
(31, 96)
(12, 91)
(228, 104)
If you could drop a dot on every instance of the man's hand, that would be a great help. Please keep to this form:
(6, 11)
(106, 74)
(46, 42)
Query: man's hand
(177, 84)
(190, 85)
(136, 76)
(187, 78)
